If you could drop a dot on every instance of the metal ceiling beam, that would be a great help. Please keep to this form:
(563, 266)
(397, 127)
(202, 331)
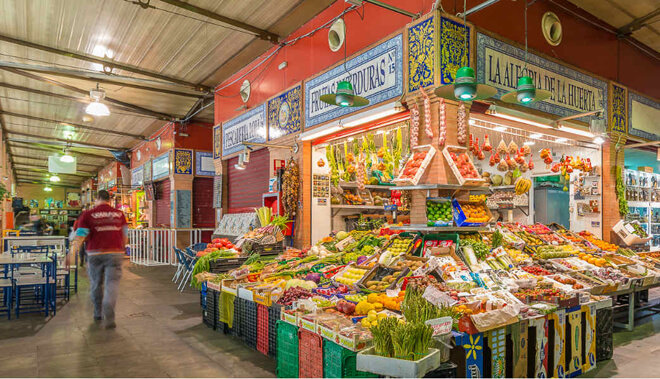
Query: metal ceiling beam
(261, 33)
(131, 107)
(37, 147)
(41, 160)
(636, 24)
(60, 96)
(79, 126)
(28, 181)
(384, 6)
(33, 169)
(104, 62)
(124, 81)
(62, 140)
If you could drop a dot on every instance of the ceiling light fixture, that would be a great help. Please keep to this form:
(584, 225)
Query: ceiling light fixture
(493, 112)
(48, 189)
(529, 143)
(54, 178)
(599, 140)
(536, 135)
(465, 86)
(526, 92)
(67, 157)
(96, 108)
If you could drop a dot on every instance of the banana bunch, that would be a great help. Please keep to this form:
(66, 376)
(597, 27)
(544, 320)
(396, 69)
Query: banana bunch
(523, 185)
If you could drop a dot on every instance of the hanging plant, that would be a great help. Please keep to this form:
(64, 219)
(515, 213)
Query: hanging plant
(621, 192)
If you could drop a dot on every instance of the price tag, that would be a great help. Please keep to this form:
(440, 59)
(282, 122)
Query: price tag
(437, 297)
(392, 292)
(440, 325)
(341, 245)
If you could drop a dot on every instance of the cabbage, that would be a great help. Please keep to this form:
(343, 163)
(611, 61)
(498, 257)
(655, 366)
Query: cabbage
(314, 277)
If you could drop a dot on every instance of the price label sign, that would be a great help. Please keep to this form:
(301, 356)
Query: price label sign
(437, 297)
(440, 325)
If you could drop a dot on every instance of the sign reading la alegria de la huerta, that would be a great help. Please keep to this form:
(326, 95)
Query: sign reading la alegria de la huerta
(248, 127)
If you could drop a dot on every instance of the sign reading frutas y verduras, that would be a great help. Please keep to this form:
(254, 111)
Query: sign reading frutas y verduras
(248, 127)
(500, 64)
(376, 74)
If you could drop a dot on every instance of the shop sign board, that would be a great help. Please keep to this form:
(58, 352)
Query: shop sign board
(376, 74)
(500, 64)
(643, 115)
(284, 113)
(137, 176)
(147, 171)
(248, 127)
(111, 183)
(160, 166)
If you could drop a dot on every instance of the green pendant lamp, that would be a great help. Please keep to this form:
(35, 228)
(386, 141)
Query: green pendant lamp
(526, 92)
(465, 86)
(344, 96)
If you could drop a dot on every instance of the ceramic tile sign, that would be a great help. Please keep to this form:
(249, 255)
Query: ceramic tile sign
(137, 177)
(183, 209)
(284, 113)
(589, 333)
(643, 114)
(500, 64)
(204, 163)
(183, 161)
(473, 345)
(376, 74)
(160, 166)
(497, 344)
(217, 142)
(540, 328)
(574, 342)
(248, 127)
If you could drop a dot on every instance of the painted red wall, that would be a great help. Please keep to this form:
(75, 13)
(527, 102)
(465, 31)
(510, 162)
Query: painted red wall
(584, 45)
(200, 136)
(148, 149)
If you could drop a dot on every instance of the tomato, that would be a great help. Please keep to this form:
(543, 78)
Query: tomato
(209, 246)
(216, 240)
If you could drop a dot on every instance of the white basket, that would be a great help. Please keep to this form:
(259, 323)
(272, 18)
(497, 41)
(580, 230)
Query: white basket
(367, 361)
(624, 231)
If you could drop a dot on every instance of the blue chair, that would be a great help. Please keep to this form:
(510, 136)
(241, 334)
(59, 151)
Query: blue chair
(189, 264)
(199, 246)
(7, 289)
(179, 262)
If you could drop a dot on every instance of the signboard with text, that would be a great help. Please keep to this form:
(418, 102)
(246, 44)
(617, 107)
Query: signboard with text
(248, 127)
(376, 74)
(500, 64)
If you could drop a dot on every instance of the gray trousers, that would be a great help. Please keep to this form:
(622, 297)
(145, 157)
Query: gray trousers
(104, 273)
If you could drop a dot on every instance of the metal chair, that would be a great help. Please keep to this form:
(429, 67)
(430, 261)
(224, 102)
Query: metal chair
(7, 289)
(189, 264)
(179, 264)
(37, 298)
(199, 246)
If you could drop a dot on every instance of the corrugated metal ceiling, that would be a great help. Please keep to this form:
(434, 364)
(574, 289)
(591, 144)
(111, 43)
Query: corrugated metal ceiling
(161, 38)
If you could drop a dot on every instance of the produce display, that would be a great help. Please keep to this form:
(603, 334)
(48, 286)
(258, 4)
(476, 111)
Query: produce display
(385, 291)
(476, 213)
(438, 213)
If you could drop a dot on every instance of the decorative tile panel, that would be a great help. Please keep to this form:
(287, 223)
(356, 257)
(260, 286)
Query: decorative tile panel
(284, 113)
(421, 54)
(619, 112)
(183, 161)
(454, 51)
(217, 141)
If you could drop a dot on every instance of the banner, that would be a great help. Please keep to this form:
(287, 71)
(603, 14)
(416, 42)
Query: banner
(500, 64)
(376, 74)
(248, 127)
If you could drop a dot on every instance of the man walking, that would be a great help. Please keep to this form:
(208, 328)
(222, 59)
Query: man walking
(103, 228)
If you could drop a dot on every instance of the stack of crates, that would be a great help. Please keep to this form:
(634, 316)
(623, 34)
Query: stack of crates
(210, 312)
(249, 323)
(604, 334)
(310, 356)
(273, 318)
(287, 350)
(262, 329)
(202, 296)
(236, 329)
(339, 362)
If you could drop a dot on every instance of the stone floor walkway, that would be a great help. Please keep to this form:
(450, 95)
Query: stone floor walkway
(159, 334)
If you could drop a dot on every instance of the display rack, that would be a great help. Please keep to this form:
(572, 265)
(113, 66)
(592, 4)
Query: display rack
(449, 229)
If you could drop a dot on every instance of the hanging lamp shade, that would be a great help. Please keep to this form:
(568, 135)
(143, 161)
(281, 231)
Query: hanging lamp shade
(345, 96)
(465, 87)
(526, 92)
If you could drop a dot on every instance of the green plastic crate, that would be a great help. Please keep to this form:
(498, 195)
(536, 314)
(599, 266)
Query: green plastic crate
(287, 350)
(332, 354)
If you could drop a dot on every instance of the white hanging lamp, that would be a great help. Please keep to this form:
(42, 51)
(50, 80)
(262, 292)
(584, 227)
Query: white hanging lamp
(96, 107)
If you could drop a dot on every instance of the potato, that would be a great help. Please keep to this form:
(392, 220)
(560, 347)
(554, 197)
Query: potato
(371, 283)
(372, 287)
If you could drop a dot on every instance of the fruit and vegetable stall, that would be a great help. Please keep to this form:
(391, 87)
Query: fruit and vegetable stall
(503, 301)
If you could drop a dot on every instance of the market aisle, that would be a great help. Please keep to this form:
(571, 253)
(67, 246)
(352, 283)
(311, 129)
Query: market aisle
(159, 333)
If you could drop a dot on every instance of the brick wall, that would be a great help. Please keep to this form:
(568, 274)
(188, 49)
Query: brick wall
(610, 202)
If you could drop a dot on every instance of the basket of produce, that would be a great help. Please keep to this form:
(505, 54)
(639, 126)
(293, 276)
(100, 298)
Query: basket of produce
(438, 211)
(416, 165)
(349, 275)
(462, 167)
(598, 242)
(471, 214)
(631, 233)
(252, 247)
(380, 278)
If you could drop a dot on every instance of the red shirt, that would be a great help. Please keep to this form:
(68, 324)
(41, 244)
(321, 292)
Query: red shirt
(104, 227)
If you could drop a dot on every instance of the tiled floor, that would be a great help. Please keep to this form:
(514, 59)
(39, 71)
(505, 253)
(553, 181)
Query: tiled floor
(159, 334)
